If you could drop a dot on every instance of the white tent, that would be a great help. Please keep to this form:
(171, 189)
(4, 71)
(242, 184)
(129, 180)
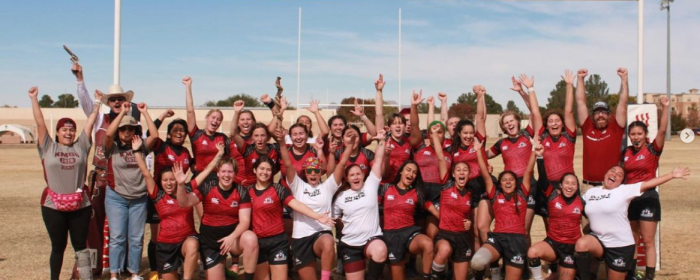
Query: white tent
(22, 131)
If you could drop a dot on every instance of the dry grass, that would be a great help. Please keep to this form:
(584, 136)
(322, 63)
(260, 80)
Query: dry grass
(25, 247)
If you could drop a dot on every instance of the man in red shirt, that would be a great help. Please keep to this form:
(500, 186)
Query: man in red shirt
(602, 132)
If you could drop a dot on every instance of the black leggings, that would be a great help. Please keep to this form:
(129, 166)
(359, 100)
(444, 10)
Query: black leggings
(58, 224)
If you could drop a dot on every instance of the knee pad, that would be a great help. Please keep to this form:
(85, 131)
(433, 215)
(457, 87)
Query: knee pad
(481, 259)
(83, 261)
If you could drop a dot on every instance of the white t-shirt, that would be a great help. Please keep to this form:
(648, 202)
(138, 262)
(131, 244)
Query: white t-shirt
(288, 140)
(607, 214)
(317, 198)
(360, 212)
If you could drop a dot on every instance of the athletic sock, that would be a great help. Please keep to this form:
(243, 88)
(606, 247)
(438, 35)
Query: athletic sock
(438, 267)
(479, 275)
(535, 268)
(326, 275)
(496, 273)
(583, 265)
(248, 276)
(374, 269)
(650, 273)
(152, 256)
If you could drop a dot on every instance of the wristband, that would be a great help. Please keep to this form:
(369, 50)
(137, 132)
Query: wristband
(538, 157)
(136, 151)
(531, 89)
(363, 118)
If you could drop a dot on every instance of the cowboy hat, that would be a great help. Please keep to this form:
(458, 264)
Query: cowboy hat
(116, 90)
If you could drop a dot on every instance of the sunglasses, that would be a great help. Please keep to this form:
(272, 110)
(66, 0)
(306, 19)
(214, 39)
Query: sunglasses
(313, 170)
(127, 128)
(117, 98)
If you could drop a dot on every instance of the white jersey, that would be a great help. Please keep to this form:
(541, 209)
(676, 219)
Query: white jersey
(607, 214)
(318, 198)
(360, 212)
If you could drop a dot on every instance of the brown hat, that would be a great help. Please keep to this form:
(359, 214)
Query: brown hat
(130, 121)
(116, 90)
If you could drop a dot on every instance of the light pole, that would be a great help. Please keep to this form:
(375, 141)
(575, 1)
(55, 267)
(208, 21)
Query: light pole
(666, 5)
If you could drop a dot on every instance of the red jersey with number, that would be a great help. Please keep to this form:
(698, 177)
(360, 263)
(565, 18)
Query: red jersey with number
(400, 153)
(641, 165)
(251, 155)
(400, 206)
(427, 162)
(564, 217)
(235, 154)
(166, 154)
(515, 152)
(509, 210)
(204, 147)
(364, 159)
(176, 223)
(455, 206)
(468, 154)
(267, 207)
(601, 148)
(220, 206)
(559, 152)
(297, 163)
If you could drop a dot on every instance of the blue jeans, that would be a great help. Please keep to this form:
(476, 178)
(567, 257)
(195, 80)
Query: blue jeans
(126, 218)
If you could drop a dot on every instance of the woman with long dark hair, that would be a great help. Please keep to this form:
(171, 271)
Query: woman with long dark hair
(65, 203)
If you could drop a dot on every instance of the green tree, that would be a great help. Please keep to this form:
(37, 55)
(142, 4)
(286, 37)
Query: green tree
(492, 107)
(557, 97)
(596, 90)
(462, 111)
(249, 101)
(693, 119)
(677, 122)
(45, 101)
(66, 100)
(512, 107)
(467, 98)
(423, 108)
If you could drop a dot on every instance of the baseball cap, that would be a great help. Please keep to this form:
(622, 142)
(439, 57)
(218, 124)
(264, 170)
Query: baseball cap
(311, 163)
(65, 122)
(601, 105)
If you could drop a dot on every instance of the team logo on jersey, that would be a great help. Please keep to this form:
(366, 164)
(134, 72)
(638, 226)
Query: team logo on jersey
(268, 200)
(313, 193)
(170, 201)
(627, 158)
(568, 260)
(522, 145)
(407, 151)
(453, 195)
(427, 153)
(547, 144)
(472, 150)
(505, 148)
(355, 197)
(562, 144)
(204, 142)
(456, 154)
(281, 256)
(392, 145)
(501, 201)
(186, 161)
(166, 266)
(409, 201)
(640, 157)
(214, 200)
(469, 203)
(557, 205)
(234, 204)
(391, 256)
(599, 197)
(171, 157)
(619, 262)
(469, 253)
(363, 166)
(647, 213)
(390, 197)
(253, 160)
(517, 259)
(577, 210)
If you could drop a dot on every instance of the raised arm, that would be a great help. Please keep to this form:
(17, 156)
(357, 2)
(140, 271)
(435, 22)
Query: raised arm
(38, 115)
(517, 87)
(480, 117)
(184, 199)
(663, 123)
(339, 170)
(90, 124)
(534, 106)
(83, 96)
(415, 127)
(238, 106)
(527, 177)
(359, 112)
(439, 153)
(114, 126)
(377, 168)
(379, 102)
(276, 121)
(431, 110)
(189, 102)
(482, 165)
(677, 173)
(542, 179)
(220, 147)
(322, 125)
(581, 107)
(621, 111)
(136, 147)
(152, 129)
(290, 172)
(443, 106)
(569, 120)
(332, 148)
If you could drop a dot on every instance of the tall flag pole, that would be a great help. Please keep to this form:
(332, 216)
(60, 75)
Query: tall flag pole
(117, 38)
(298, 63)
(400, 93)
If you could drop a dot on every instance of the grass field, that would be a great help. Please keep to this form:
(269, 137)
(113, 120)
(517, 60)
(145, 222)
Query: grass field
(25, 247)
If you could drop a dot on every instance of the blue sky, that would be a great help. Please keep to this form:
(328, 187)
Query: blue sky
(231, 47)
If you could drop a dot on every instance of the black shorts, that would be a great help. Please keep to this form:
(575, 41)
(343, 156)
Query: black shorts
(564, 252)
(512, 247)
(354, 256)
(209, 245)
(432, 193)
(531, 197)
(169, 256)
(647, 207)
(151, 213)
(541, 200)
(274, 249)
(620, 259)
(459, 241)
(397, 242)
(303, 248)
(478, 188)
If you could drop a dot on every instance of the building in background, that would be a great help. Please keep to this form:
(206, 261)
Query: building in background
(680, 103)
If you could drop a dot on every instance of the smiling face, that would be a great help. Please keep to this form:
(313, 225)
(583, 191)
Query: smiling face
(226, 174)
(569, 185)
(214, 119)
(263, 172)
(168, 182)
(355, 177)
(466, 135)
(115, 103)
(337, 127)
(554, 125)
(245, 122)
(260, 137)
(601, 118)
(407, 128)
(638, 137)
(177, 135)
(126, 133)
(614, 177)
(66, 135)
(510, 125)
(460, 173)
(313, 176)
(397, 127)
(508, 183)
(299, 136)
(408, 174)
(306, 121)
(451, 124)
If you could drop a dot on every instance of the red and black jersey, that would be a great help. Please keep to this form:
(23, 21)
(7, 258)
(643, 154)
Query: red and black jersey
(427, 162)
(364, 159)
(235, 154)
(267, 207)
(559, 152)
(204, 147)
(509, 210)
(400, 206)
(166, 154)
(468, 154)
(641, 165)
(220, 206)
(455, 206)
(564, 216)
(297, 162)
(401, 152)
(515, 152)
(365, 140)
(251, 155)
(176, 223)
